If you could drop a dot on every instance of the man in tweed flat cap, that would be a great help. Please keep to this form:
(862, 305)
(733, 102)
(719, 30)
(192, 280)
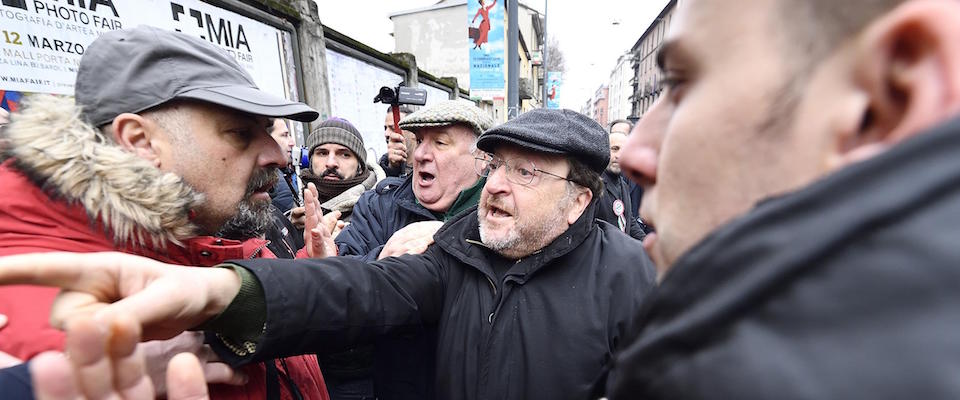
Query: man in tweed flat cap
(443, 183)
(402, 215)
(529, 295)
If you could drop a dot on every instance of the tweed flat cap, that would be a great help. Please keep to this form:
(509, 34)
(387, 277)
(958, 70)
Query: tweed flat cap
(562, 132)
(448, 113)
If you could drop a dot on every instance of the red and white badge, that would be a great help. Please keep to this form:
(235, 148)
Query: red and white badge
(618, 209)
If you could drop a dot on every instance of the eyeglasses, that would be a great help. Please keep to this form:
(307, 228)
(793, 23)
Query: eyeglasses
(518, 170)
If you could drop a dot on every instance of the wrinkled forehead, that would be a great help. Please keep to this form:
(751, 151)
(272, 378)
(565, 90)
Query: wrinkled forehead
(456, 131)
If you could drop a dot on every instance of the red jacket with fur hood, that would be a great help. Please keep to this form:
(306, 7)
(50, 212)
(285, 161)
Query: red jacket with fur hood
(66, 188)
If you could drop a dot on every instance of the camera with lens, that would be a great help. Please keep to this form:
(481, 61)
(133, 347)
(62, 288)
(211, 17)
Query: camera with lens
(401, 95)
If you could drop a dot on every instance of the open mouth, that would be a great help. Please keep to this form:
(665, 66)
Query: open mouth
(498, 212)
(426, 177)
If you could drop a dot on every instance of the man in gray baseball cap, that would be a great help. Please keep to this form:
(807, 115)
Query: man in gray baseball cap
(164, 153)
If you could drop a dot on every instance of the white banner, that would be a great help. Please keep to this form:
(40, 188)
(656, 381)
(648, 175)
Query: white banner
(41, 41)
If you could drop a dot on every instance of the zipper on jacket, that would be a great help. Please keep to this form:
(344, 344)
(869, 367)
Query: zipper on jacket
(256, 252)
(240, 350)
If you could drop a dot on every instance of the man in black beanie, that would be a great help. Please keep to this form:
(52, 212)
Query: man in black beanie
(530, 295)
(338, 168)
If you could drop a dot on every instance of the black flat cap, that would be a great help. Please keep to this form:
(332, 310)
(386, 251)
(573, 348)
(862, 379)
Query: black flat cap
(563, 132)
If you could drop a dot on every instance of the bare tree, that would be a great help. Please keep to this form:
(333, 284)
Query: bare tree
(555, 60)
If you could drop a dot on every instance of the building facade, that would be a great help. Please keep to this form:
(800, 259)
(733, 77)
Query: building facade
(599, 106)
(437, 36)
(620, 88)
(646, 76)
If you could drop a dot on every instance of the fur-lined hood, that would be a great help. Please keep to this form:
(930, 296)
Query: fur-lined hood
(135, 201)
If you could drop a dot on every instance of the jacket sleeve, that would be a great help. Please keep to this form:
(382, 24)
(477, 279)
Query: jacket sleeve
(327, 305)
(634, 229)
(15, 383)
(365, 236)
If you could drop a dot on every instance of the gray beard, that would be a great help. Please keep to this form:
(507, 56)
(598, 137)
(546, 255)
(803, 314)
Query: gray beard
(528, 237)
(250, 221)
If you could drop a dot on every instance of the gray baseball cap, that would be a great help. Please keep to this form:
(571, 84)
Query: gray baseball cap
(132, 70)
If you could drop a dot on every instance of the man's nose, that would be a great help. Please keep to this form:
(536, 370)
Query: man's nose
(331, 160)
(422, 153)
(497, 181)
(640, 156)
(271, 154)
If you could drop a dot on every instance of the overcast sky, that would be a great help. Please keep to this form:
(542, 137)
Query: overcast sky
(589, 39)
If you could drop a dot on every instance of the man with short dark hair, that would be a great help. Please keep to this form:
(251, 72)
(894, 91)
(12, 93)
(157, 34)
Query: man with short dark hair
(615, 206)
(806, 222)
(398, 160)
(621, 126)
(285, 194)
(530, 301)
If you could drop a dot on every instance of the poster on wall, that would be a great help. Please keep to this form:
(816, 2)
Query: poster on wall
(41, 41)
(353, 85)
(554, 80)
(485, 29)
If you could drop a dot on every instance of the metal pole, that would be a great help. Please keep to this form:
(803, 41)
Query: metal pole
(513, 64)
(544, 48)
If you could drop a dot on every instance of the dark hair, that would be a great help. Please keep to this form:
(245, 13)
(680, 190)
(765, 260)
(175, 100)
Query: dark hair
(619, 121)
(404, 109)
(582, 175)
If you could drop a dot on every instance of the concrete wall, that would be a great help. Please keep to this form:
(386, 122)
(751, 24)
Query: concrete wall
(353, 85)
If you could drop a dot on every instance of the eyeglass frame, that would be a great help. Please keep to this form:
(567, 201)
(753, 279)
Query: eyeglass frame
(509, 167)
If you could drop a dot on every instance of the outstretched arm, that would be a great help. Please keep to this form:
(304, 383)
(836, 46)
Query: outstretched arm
(165, 299)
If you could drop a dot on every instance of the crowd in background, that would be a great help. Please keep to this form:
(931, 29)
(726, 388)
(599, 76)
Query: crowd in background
(788, 238)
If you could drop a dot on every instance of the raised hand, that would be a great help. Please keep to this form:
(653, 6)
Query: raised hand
(319, 229)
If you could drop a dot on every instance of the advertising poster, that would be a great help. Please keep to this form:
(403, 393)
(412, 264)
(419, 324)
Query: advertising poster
(554, 80)
(41, 41)
(485, 29)
(10, 100)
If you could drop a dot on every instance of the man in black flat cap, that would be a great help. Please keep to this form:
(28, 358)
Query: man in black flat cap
(530, 295)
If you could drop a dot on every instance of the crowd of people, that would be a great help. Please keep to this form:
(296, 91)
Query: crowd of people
(787, 237)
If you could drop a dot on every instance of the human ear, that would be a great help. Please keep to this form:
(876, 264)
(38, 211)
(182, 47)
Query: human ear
(580, 203)
(908, 63)
(136, 134)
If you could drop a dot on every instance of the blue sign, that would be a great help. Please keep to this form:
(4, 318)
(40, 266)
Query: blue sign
(554, 80)
(485, 29)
